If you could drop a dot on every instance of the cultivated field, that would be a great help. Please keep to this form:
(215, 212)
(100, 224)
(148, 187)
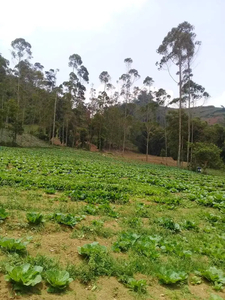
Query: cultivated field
(121, 230)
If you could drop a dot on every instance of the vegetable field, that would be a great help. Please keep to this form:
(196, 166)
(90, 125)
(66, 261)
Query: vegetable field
(80, 225)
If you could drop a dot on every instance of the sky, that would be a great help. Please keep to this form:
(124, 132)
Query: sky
(104, 33)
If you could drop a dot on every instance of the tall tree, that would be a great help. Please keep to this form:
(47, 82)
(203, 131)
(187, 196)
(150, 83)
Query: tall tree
(192, 93)
(77, 78)
(148, 111)
(21, 50)
(177, 47)
(127, 80)
(163, 99)
(51, 85)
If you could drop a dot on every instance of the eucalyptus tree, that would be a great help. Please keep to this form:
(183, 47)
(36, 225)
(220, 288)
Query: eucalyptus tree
(178, 47)
(53, 90)
(148, 111)
(163, 99)
(104, 78)
(192, 93)
(192, 49)
(75, 62)
(75, 89)
(103, 97)
(128, 79)
(100, 103)
(78, 78)
(38, 75)
(21, 50)
(4, 64)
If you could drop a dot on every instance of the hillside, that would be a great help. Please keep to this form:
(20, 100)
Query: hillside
(211, 114)
(119, 229)
(24, 140)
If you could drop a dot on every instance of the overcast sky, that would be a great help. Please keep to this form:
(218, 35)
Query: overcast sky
(105, 32)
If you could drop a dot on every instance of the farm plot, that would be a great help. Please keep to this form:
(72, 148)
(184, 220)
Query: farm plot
(78, 225)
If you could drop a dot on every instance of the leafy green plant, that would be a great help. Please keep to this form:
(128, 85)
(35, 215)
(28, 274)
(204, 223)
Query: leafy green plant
(214, 275)
(215, 297)
(50, 191)
(169, 224)
(58, 279)
(147, 246)
(90, 209)
(34, 218)
(107, 209)
(189, 225)
(142, 210)
(195, 280)
(169, 276)
(133, 222)
(24, 276)
(138, 286)
(167, 200)
(125, 241)
(88, 249)
(3, 214)
(13, 245)
(95, 229)
(98, 260)
(65, 219)
(212, 218)
(141, 244)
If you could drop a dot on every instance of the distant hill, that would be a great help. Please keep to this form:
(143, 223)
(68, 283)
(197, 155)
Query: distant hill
(211, 114)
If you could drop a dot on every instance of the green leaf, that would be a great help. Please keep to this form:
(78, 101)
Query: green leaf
(34, 218)
(215, 275)
(67, 219)
(13, 245)
(171, 277)
(3, 214)
(58, 279)
(24, 275)
(215, 297)
(89, 249)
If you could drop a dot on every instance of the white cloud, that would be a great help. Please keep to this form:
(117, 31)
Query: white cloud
(21, 18)
(216, 101)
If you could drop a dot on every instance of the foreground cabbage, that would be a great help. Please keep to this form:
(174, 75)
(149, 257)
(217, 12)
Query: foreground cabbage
(58, 279)
(24, 275)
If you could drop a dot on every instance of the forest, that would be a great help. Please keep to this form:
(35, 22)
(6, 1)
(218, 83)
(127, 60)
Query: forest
(128, 114)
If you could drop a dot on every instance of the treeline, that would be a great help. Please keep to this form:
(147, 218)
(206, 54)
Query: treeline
(123, 117)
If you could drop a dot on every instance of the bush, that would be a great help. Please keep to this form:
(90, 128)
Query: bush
(206, 156)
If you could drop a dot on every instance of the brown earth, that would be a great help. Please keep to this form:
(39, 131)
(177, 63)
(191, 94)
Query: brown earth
(130, 155)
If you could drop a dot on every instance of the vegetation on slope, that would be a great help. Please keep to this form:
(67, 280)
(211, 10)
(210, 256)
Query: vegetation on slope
(146, 227)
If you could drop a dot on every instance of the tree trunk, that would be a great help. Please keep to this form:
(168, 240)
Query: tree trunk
(124, 128)
(63, 137)
(165, 133)
(189, 117)
(147, 141)
(67, 129)
(192, 140)
(180, 121)
(54, 117)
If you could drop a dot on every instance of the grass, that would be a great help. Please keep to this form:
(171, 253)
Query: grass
(176, 216)
(215, 172)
